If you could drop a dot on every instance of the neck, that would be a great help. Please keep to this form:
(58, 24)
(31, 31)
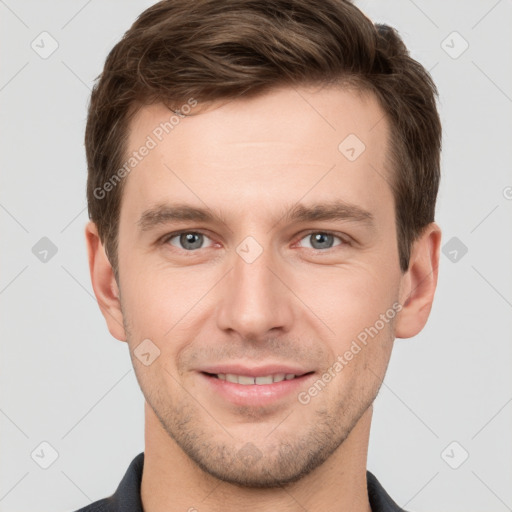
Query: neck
(171, 481)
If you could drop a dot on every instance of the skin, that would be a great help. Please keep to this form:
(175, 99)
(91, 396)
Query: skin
(249, 161)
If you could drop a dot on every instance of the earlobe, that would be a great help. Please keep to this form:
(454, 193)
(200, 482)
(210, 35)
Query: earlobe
(104, 283)
(419, 283)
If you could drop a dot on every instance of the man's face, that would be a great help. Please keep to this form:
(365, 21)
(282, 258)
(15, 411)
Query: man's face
(254, 290)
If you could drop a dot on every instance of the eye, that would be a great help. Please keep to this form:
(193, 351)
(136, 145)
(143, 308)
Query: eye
(187, 240)
(319, 240)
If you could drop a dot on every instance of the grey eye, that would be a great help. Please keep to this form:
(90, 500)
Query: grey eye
(321, 240)
(188, 241)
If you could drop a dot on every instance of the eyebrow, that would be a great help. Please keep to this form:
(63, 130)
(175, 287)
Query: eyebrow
(334, 210)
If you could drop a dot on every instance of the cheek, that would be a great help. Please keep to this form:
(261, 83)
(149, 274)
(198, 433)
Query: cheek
(159, 300)
(347, 299)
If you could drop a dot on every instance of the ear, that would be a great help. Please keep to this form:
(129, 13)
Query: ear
(419, 283)
(104, 283)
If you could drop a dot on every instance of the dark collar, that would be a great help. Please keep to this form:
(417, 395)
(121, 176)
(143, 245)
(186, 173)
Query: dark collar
(127, 496)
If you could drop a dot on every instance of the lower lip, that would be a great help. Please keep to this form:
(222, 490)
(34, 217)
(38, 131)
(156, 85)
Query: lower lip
(256, 394)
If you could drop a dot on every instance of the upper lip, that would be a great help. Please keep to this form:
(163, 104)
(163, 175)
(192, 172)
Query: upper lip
(255, 371)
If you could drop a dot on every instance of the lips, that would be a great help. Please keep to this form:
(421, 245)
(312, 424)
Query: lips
(260, 380)
(255, 385)
(269, 370)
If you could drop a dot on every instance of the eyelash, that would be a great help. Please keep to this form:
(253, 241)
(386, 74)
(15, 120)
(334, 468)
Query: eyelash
(343, 242)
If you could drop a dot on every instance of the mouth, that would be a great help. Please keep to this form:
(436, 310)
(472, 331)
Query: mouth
(240, 389)
(262, 380)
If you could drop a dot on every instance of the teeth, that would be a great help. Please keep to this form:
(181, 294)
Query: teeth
(264, 380)
(247, 380)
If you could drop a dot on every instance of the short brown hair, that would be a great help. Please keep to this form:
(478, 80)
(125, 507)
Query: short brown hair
(221, 49)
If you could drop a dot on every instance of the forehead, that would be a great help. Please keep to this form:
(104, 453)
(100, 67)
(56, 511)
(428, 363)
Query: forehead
(261, 151)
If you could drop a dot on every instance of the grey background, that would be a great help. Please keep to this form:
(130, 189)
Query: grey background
(65, 381)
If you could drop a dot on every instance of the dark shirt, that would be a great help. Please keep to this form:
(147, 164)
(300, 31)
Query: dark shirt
(127, 496)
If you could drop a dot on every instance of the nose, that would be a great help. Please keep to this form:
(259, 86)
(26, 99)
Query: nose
(255, 299)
